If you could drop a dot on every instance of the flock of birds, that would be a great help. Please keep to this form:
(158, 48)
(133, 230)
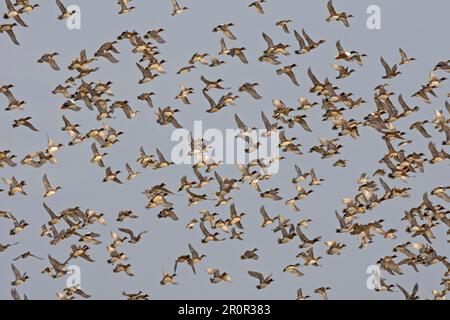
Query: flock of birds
(373, 188)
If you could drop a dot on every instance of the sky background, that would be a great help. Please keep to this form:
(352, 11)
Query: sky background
(415, 26)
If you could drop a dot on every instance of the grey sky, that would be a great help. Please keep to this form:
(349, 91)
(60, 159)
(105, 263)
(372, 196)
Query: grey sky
(415, 26)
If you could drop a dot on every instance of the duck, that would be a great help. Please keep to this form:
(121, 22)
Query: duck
(6, 91)
(16, 296)
(19, 278)
(215, 62)
(306, 242)
(124, 8)
(9, 29)
(65, 14)
(168, 279)
(271, 194)
(264, 282)
(287, 70)
(112, 176)
(269, 58)
(236, 234)
(407, 111)
(435, 82)
(191, 224)
(225, 29)
(349, 56)
(206, 216)
(80, 251)
(284, 24)
(437, 156)
(194, 198)
(218, 276)
(210, 84)
(341, 163)
(286, 236)
(177, 9)
(270, 128)
(184, 259)
(266, 219)
(123, 214)
(337, 16)
(168, 213)
(300, 176)
(235, 219)
(200, 58)
(116, 256)
(155, 65)
(19, 226)
(442, 65)
(250, 254)
(97, 157)
(133, 239)
(117, 240)
(202, 180)
(300, 295)
(105, 51)
(276, 50)
(24, 122)
(419, 126)
(124, 268)
(240, 53)
(440, 193)
(323, 292)
(412, 295)
(258, 6)
(334, 247)
(136, 296)
(166, 116)
(391, 72)
(4, 247)
(131, 173)
(69, 293)
(125, 107)
(309, 258)
(250, 89)
(27, 7)
(207, 235)
(195, 257)
(147, 97)
(186, 69)
(382, 285)
(299, 119)
(293, 268)
(307, 46)
(49, 58)
(162, 163)
(404, 58)
(344, 72)
(6, 159)
(314, 180)
(13, 13)
(14, 186)
(49, 190)
(184, 94)
(155, 35)
(147, 75)
(57, 269)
